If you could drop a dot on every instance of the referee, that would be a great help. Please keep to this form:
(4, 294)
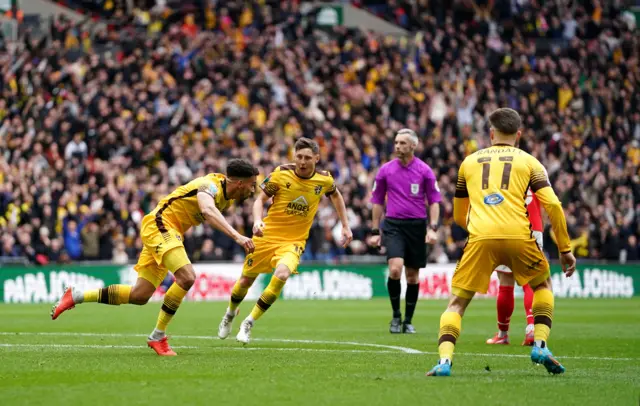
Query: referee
(407, 183)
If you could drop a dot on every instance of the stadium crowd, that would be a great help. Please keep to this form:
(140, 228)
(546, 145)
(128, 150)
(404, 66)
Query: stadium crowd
(97, 128)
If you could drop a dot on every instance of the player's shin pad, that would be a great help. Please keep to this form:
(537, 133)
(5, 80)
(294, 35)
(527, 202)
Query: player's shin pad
(450, 327)
(112, 295)
(172, 300)
(268, 297)
(238, 294)
(542, 308)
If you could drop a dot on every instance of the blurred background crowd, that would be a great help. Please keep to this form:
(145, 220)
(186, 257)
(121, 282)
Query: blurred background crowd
(98, 124)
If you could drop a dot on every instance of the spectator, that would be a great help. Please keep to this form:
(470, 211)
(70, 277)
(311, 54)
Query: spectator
(120, 255)
(91, 241)
(209, 252)
(76, 148)
(149, 109)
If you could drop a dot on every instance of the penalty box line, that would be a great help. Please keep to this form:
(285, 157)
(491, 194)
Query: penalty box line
(384, 349)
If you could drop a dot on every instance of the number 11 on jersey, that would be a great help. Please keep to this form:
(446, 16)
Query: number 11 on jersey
(506, 171)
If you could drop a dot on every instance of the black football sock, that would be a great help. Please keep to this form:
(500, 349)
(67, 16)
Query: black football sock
(393, 285)
(411, 300)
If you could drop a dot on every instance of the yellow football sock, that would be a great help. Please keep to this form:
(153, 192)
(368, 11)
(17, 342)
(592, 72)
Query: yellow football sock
(112, 295)
(172, 300)
(268, 297)
(91, 295)
(450, 326)
(237, 296)
(542, 310)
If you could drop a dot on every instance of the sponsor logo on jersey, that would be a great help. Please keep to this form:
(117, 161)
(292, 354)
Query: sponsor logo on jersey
(493, 199)
(213, 189)
(298, 207)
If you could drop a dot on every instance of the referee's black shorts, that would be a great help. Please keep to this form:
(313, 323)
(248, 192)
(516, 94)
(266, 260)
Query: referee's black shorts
(405, 238)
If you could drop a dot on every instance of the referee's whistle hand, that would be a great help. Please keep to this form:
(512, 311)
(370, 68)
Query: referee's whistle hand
(432, 237)
(374, 241)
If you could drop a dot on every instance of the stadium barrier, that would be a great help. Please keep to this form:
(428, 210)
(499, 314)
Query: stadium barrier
(21, 284)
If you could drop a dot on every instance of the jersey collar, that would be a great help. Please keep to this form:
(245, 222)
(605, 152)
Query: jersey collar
(413, 160)
(224, 188)
(302, 177)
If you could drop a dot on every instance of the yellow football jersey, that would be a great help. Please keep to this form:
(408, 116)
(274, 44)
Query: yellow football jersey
(180, 210)
(295, 202)
(495, 181)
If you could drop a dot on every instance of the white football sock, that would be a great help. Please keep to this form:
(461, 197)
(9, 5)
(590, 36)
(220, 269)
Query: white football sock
(156, 335)
(77, 295)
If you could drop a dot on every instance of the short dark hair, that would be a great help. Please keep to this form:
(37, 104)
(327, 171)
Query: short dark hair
(303, 143)
(241, 168)
(505, 120)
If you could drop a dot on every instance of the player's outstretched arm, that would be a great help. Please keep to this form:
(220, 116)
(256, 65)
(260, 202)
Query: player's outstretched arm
(214, 218)
(258, 212)
(338, 202)
(544, 192)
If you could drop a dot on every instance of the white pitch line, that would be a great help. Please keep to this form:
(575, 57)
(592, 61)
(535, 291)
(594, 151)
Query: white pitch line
(390, 347)
(73, 346)
(357, 344)
(139, 347)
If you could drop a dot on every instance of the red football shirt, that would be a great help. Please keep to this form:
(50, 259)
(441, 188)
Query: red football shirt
(535, 215)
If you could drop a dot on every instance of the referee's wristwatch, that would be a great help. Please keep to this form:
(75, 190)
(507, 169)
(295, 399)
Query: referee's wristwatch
(375, 231)
(433, 227)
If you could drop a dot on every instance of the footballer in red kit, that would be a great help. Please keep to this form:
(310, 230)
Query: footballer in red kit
(505, 301)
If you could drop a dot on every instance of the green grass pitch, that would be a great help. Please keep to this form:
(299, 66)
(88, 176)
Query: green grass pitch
(313, 353)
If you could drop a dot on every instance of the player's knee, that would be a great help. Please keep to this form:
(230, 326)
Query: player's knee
(139, 297)
(282, 272)
(395, 268)
(458, 304)
(141, 292)
(185, 277)
(546, 284)
(413, 276)
(506, 279)
(246, 282)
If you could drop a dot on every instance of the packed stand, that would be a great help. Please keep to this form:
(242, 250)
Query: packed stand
(92, 140)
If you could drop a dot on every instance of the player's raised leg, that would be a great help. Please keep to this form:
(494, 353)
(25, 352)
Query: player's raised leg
(450, 328)
(393, 286)
(177, 261)
(139, 294)
(505, 304)
(411, 299)
(238, 293)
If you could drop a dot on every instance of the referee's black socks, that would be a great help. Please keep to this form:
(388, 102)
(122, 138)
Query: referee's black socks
(411, 299)
(393, 286)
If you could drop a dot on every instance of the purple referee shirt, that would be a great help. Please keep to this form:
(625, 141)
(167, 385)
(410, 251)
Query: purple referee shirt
(406, 188)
